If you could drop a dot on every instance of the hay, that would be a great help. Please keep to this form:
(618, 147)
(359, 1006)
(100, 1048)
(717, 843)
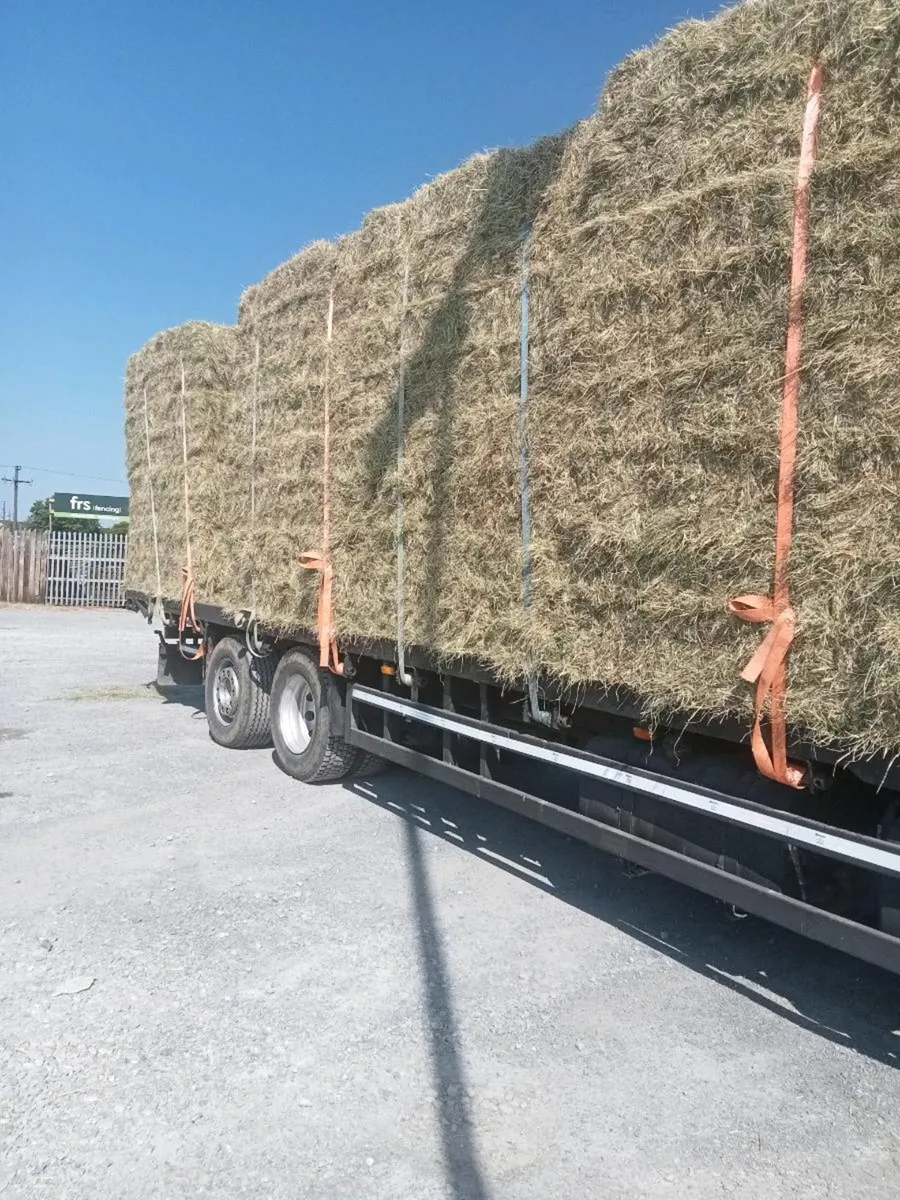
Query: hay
(461, 238)
(208, 356)
(660, 266)
(662, 263)
(287, 316)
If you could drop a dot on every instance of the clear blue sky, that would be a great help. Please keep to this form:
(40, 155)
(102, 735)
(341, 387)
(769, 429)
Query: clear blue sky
(160, 155)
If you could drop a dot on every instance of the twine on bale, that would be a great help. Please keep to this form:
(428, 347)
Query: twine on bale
(253, 418)
(253, 444)
(256, 647)
(187, 616)
(153, 520)
(320, 560)
(405, 678)
(768, 666)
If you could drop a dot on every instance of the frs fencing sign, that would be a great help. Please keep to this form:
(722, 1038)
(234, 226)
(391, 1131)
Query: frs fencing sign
(90, 508)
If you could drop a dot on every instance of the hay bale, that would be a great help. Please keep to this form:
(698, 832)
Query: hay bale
(207, 354)
(662, 263)
(286, 316)
(660, 267)
(460, 239)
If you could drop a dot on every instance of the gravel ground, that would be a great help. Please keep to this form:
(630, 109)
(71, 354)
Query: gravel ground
(380, 990)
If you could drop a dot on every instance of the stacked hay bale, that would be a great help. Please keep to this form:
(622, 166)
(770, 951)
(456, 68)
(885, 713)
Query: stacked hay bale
(430, 290)
(204, 356)
(363, 379)
(467, 231)
(282, 337)
(662, 261)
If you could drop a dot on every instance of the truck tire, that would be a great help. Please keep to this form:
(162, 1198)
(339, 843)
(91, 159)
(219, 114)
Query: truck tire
(238, 687)
(305, 745)
(369, 765)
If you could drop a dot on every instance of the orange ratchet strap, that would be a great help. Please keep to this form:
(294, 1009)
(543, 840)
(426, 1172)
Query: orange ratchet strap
(768, 666)
(320, 560)
(329, 656)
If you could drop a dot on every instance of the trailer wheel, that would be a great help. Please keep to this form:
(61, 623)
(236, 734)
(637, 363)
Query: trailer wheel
(305, 744)
(237, 696)
(369, 765)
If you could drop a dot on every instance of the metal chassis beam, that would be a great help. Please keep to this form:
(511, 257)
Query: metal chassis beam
(861, 941)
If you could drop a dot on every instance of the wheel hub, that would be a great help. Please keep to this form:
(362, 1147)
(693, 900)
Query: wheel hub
(297, 715)
(226, 693)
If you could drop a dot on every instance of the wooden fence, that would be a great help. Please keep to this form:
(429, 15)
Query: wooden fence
(23, 565)
(83, 569)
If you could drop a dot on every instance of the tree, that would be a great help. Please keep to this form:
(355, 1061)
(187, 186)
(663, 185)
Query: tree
(39, 518)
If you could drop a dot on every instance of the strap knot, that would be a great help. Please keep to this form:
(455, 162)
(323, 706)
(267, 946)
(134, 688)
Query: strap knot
(768, 670)
(329, 655)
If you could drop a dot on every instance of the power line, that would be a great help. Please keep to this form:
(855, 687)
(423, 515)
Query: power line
(68, 474)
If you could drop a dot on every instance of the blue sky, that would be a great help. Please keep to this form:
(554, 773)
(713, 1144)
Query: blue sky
(161, 155)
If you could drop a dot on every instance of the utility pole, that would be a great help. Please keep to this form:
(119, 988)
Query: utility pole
(16, 481)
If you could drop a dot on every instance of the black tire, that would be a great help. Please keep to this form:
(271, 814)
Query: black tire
(237, 690)
(305, 745)
(369, 764)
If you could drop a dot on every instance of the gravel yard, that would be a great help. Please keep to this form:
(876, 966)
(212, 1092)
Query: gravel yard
(218, 982)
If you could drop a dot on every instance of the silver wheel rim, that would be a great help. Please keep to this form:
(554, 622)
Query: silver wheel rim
(226, 693)
(297, 714)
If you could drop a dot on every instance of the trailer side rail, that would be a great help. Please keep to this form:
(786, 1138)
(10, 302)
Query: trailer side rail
(829, 928)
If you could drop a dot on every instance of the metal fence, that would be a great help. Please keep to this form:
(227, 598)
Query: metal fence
(87, 569)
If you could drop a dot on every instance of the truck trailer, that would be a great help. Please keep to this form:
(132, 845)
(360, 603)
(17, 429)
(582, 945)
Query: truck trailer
(571, 481)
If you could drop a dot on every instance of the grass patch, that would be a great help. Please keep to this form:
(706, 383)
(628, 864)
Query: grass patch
(146, 691)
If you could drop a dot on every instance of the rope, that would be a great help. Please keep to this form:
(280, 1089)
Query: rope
(153, 520)
(326, 440)
(320, 560)
(253, 410)
(253, 639)
(768, 666)
(405, 678)
(253, 464)
(524, 480)
(187, 617)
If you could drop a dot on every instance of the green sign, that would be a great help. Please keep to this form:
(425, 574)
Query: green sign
(90, 508)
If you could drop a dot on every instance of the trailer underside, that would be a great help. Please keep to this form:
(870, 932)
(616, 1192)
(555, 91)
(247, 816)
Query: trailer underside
(687, 804)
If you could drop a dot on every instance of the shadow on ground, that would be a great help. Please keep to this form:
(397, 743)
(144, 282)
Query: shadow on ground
(460, 1153)
(830, 994)
(187, 697)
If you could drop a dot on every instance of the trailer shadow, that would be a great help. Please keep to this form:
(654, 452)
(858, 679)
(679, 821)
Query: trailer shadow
(815, 988)
(184, 695)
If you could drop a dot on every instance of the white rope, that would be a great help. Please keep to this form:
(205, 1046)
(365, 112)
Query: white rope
(253, 437)
(326, 471)
(405, 678)
(255, 394)
(152, 501)
(187, 505)
(542, 716)
(256, 647)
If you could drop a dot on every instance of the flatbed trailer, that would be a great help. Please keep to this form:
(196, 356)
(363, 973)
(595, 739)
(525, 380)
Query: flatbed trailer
(686, 802)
